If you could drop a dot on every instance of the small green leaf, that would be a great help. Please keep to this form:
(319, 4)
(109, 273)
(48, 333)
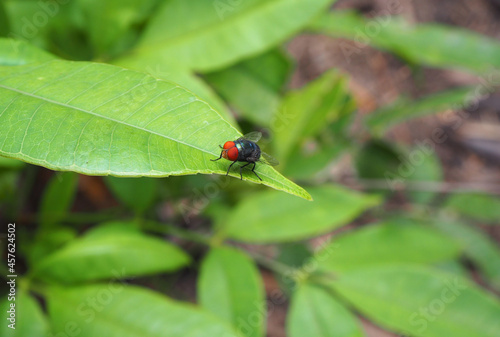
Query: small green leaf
(138, 194)
(253, 86)
(481, 207)
(119, 310)
(422, 302)
(112, 25)
(431, 44)
(58, 198)
(111, 254)
(271, 217)
(230, 286)
(387, 243)
(205, 35)
(103, 120)
(315, 312)
(306, 111)
(406, 109)
(427, 169)
(478, 247)
(29, 319)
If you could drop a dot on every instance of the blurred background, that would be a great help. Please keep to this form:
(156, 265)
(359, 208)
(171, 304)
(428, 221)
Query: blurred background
(442, 156)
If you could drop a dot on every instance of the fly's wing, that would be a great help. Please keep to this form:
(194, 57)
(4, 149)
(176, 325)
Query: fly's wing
(268, 160)
(252, 136)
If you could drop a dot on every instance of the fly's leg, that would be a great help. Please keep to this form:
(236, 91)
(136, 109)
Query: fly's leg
(253, 170)
(220, 155)
(241, 176)
(230, 167)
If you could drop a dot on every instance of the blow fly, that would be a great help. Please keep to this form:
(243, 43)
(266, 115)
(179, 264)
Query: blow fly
(245, 149)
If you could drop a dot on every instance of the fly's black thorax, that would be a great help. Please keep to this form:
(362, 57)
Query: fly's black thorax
(247, 151)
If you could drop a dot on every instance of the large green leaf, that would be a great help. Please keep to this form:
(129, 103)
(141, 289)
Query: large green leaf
(118, 310)
(230, 286)
(104, 120)
(478, 247)
(114, 253)
(271, 217)
(432, 44)
(385, 244)
(253, 86)
(29, 318)
(421, 302)
(58, 198)
(206, 35)
(481, 207)
(404, 108)
(315, 312)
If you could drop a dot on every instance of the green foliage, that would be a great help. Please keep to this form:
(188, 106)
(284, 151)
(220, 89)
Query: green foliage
(420, 301)
(115, 253)
(431, 44)
(160, 108)
(230, 287)
(481, 207)
(388, 243)
(104, 309)
(283, 220)
(315, 312)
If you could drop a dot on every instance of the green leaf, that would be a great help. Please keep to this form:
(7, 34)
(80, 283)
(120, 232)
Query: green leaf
(111, 254)
(138, 194)
(431, 44)
(29, 318)
(315, 312)
(230, 286)
(377, 160)
(104, 120)
(405, 108)
(481, 207)
(58, 198)
(253, 86)
(420, 301)
(205, 35)
(118, 310)
(427, 169)
(478, 247)
(271, 217)
(386, 243)
(306, 111)
(15, 52)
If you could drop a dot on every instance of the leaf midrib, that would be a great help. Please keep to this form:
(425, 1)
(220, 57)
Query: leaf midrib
(104, 117)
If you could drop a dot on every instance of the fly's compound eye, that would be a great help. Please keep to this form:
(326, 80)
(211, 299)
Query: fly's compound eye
(228, 145)
(232, 153)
